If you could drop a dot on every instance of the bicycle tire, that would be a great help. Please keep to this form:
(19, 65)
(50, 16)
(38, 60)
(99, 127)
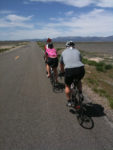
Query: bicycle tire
(52, 78)
(84, 120)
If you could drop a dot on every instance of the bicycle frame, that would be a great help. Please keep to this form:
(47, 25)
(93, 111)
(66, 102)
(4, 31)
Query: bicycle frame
(52, 77)
(75, 96)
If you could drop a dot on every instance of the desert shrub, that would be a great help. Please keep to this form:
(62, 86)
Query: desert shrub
(111, 102)
(100, 66)
(92, 63)
(5, 49)
(59, 56)
(89, 62)
(107, 67)
(85, 61)
(58, 49)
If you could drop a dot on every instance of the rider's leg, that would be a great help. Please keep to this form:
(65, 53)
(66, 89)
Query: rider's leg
(48, 70)
(80, 76)
(79, 86)
(68, 95)
(68, 92)
(45, 59)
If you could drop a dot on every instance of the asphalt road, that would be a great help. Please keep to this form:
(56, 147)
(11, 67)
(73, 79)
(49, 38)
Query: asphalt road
(33, 117)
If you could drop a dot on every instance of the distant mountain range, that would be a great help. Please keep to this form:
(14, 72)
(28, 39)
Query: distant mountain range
(84, 39)
(76, 39)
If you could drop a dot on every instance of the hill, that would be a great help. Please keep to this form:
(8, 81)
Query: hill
(84, 39)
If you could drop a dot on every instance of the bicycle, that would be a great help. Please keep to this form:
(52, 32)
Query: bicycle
(77, 104)
(78, 107)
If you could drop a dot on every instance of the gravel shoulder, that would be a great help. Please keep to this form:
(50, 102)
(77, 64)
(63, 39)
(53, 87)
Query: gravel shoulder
(94, 98)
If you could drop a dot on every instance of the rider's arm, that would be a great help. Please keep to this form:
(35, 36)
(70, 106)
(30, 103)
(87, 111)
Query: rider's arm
(61, 64)
(80, 57)
(62, 67)
(46, 55)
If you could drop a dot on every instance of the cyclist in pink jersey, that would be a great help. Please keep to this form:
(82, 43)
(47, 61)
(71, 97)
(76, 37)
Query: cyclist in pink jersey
(45, 48)
(51, 53)
(48, 41)
(52, 60)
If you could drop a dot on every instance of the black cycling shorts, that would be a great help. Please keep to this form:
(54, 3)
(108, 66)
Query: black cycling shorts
(52, 62)
(74, 73)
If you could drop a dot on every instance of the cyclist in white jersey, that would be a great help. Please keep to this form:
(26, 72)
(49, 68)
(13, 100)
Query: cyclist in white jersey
(71, 64)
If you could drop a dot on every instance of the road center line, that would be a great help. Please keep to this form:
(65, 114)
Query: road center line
(17, 57)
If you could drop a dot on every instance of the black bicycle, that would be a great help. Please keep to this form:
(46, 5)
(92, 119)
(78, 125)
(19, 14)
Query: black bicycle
(78, 107)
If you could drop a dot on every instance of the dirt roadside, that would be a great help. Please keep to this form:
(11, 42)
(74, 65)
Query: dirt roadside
(94, 98)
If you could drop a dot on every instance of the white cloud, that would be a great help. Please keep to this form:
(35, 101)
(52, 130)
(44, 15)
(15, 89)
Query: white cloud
(18, 18)
(5, 24)
(5, 12)
(30, 34)
(98, 22)
(77, 3)
(105, 3)
(57, 19)
(26, 2)
(95, 23)
(15, 21)
(69, 13)
(81, 3)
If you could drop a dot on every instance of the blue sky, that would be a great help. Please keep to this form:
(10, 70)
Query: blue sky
(28, 19)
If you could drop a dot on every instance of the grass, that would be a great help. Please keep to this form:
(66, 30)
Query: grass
(59, 49)
(41, 45)
(103, 93)
(4, 49)
(100, 82)
(100, 66)
(92, 81)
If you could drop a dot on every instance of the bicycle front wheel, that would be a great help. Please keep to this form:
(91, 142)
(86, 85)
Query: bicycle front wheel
(85, 121)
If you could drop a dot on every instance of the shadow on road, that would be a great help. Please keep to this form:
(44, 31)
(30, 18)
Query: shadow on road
(90, 110)
(59, 88)
(94, 110)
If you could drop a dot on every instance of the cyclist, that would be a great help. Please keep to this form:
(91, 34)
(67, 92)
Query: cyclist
(52, 60)
(48, 41)
(45, 48)
(70, 62)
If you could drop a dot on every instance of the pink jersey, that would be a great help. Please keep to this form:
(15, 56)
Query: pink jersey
(51, 53)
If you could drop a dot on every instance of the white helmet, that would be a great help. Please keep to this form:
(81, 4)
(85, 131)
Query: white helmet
(70, 44)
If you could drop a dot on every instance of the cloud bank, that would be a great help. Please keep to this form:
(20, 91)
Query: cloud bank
(97, 22)
(81, 3)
